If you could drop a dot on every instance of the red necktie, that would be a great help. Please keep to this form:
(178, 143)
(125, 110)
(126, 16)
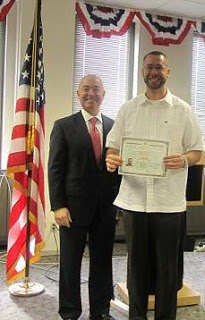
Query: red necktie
(95, 136)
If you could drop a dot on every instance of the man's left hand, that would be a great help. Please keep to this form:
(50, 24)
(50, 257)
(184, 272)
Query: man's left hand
(175, 161)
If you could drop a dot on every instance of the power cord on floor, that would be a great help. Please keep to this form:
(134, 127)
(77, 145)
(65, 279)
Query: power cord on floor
(4, 177)
(52, 272)
(55, 229)
(53, 269)
(3, 257)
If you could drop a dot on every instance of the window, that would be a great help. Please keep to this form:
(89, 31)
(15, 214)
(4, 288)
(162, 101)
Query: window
(112, 60)
(2, 45)
(198, 79)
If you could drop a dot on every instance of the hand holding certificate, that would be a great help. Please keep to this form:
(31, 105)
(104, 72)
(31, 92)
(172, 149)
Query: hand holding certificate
(143, 157)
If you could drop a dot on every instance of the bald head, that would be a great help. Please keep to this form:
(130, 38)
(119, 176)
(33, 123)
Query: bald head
(90, 77)
(158, 54)
(91, 93)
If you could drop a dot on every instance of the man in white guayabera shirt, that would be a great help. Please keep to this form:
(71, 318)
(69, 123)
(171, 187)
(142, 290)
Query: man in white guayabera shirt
(155, 207)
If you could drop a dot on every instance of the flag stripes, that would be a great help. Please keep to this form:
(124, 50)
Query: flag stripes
(5, 7)
(26, 161)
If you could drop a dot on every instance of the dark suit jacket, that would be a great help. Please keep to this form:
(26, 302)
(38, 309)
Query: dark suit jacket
(75, 180)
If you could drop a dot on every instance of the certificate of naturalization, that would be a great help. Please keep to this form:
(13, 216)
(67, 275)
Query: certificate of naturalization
(143, 157)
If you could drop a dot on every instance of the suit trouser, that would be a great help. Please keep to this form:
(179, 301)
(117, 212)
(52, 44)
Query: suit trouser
(72, 243)
(155, 262)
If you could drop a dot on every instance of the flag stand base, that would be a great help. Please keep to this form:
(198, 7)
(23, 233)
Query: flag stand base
(26, 289)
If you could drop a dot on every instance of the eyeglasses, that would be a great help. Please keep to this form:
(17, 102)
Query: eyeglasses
(157, 67)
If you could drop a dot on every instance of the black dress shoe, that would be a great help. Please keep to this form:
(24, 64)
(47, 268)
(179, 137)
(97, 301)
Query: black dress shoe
(102, 317)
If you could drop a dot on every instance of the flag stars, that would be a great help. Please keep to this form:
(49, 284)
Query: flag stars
(27, 57)
(39, 75)
(30, 40)
(25, 74)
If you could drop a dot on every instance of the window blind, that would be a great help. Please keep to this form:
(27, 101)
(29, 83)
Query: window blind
(109, 58)
(198, 79)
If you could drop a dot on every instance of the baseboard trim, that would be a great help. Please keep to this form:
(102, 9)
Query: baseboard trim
(46, 253)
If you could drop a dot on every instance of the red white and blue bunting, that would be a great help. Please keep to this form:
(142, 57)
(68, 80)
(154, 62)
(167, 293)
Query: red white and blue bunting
(200, 28)
(165, 30)
(103, 21)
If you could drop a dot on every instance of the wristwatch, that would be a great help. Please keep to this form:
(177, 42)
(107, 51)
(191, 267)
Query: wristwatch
(185, 163)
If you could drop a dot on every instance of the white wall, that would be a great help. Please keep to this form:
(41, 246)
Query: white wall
(59, 30)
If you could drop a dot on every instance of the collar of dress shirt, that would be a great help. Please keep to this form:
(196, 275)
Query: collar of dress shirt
(167, 99)
(87, 116)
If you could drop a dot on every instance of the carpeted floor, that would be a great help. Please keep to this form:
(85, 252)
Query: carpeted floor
(45, 305)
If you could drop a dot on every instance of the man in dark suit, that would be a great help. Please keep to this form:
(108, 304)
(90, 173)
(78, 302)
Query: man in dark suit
(81, 195)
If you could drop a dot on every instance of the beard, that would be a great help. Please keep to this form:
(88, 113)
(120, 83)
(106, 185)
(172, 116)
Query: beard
(154, 83)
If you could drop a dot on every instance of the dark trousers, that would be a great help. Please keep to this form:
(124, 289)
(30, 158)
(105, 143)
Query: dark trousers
(155, 262)
(72, 243)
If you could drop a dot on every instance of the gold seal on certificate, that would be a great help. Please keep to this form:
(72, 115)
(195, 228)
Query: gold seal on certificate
(143, 157)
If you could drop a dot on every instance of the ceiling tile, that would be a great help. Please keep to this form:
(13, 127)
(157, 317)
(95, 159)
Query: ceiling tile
(184, 8)
(180, 8)
(195, 1)
(139, 4)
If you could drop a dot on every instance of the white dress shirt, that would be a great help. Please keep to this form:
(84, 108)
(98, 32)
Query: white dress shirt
(169, 119)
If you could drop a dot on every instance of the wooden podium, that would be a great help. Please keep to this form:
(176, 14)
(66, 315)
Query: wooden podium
(186, 296)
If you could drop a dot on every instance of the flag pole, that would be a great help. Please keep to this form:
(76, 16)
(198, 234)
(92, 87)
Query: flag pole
(27, 288)
(30, 140)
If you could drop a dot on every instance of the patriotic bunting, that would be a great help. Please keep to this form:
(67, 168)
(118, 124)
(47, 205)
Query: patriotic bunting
(26, 161)
(103, 21)
(165, 30)
(200, 28)
(5, 6)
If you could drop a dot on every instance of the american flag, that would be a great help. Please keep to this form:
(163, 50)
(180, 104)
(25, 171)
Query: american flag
(26, 160)
(5, 6)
